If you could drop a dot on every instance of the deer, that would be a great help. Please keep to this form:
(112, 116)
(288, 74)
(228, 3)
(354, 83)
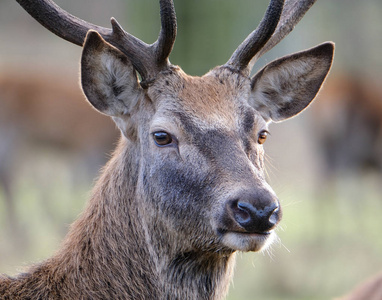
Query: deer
(185, 189)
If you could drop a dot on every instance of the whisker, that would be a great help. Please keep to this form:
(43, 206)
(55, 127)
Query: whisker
(270, 167)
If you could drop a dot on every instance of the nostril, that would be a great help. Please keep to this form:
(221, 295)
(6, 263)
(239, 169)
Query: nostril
(247, 209)
(241, 213)
(247, 215)
(274, 217)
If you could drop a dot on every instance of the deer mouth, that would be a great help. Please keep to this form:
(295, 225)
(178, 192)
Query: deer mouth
(247, 241)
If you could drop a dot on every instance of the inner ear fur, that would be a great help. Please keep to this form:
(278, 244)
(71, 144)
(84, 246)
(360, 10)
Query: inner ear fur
(108, 78)
(286, 86)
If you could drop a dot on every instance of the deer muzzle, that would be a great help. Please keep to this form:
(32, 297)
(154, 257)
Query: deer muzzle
(249, 219)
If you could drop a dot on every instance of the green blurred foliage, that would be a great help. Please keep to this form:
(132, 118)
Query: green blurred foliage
(208, 31)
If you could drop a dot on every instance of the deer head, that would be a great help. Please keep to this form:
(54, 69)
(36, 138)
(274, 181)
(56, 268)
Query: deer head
(190, 162)
(199, 139)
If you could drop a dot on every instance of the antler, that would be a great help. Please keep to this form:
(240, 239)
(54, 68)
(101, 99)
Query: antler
(148, 60)
(258, 38)
(292, 13)
(279, 20)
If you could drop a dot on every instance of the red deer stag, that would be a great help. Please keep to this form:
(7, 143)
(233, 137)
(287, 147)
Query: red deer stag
(185, 188)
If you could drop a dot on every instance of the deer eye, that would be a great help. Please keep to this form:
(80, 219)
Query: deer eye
(262, 137)
(162, 138)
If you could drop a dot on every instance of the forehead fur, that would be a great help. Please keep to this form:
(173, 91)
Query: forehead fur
(212, 100)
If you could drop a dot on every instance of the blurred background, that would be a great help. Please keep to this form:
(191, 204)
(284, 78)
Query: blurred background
(325, 165)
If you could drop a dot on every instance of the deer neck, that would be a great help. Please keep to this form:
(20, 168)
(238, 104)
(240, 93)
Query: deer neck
(104, 253)
(196, 275)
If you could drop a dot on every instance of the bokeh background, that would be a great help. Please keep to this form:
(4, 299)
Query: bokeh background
(325, 165)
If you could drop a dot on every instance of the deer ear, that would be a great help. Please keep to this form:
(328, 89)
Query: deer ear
(108, 78)
(286, 86)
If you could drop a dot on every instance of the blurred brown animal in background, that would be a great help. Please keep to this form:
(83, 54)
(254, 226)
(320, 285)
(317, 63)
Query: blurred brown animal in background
(370, 289)
(46, 111)
(348, 125)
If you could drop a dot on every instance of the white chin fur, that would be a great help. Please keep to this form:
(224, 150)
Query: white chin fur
(248, 242)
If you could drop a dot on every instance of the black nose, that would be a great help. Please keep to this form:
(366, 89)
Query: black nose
(256, 213)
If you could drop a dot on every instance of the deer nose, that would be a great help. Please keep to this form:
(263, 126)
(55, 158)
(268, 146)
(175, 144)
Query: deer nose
(257, 215)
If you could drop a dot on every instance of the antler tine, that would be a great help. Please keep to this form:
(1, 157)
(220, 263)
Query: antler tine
(148, 60)
(167, 35)
(293, 12)
(242, 56)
